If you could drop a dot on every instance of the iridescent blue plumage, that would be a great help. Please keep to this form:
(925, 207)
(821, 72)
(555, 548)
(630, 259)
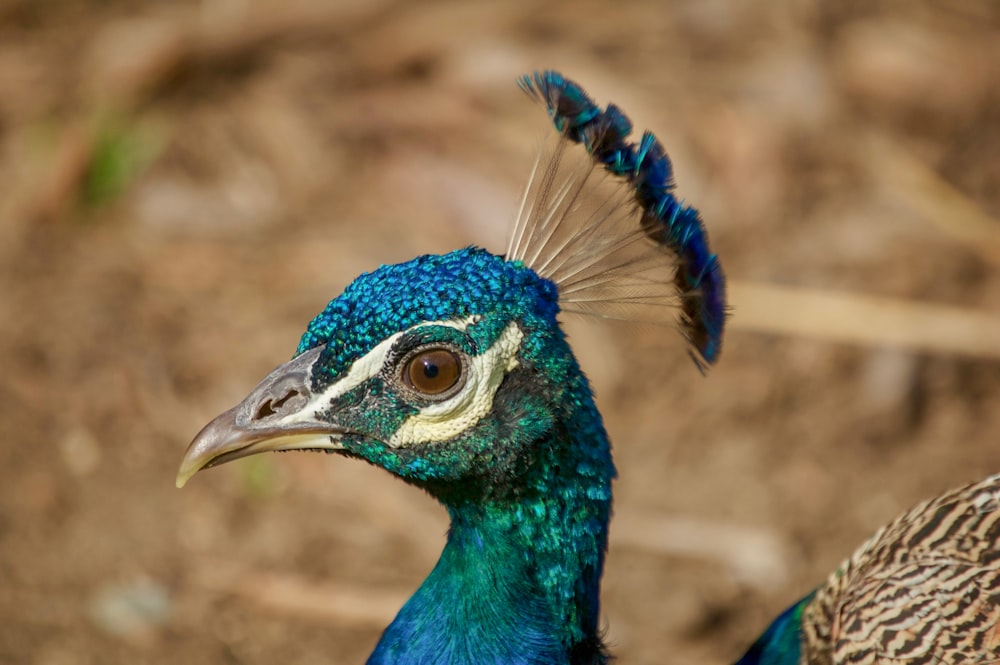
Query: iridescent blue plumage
(452, 373)
(781, 643)
(699, 279)
(428, 288)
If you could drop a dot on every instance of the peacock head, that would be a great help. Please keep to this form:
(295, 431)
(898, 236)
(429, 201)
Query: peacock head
(450, 368)
(440, 369)
(452, 373)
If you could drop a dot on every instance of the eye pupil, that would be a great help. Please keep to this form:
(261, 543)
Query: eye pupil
(433, 372)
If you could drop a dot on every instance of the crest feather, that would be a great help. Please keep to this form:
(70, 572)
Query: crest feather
(615, 240)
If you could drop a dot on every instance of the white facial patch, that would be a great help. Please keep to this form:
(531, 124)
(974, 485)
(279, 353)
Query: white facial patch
(366, 367)
(444, 420)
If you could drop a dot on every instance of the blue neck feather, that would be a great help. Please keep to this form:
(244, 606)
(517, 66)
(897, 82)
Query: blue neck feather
(781, 643)
(521, 562)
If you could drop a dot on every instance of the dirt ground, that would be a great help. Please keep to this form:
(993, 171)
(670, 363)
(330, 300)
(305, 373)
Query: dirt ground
(185, 184)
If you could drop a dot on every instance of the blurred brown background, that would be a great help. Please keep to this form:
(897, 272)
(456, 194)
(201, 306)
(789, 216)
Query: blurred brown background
(184, 184)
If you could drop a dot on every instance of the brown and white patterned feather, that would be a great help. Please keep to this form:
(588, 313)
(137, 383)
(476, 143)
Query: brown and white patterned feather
(923, 589)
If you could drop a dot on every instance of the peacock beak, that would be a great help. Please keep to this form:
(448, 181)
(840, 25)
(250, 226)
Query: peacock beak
(277, 415)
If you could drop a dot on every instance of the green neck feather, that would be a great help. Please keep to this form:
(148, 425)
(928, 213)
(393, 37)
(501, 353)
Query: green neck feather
(781, 643)
(519, 578)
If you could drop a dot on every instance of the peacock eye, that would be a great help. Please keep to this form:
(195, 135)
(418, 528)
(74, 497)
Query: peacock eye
(433, 372)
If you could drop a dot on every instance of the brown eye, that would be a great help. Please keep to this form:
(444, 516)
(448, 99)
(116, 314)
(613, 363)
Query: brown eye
(433, 372)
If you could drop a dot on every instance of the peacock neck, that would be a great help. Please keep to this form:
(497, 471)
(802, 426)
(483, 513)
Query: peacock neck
(518, 581)
(782, 642)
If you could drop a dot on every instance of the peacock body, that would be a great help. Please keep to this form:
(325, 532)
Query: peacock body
(452, 373)
(925, 589)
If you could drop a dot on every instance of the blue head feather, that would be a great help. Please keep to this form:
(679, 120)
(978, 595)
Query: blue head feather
(456, 285)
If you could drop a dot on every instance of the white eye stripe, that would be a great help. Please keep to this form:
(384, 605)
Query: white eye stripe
(368, 366)
(443, 420)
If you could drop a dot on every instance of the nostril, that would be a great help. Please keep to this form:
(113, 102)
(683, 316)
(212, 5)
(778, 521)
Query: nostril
(264, 410)
(269, 407)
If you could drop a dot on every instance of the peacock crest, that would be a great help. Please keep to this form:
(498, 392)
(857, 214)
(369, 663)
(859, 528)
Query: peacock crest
(600, 227)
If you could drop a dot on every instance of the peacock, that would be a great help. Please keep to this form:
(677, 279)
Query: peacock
(452, 372)
(923, 589)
